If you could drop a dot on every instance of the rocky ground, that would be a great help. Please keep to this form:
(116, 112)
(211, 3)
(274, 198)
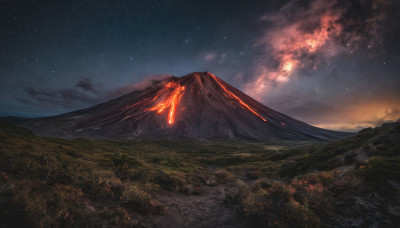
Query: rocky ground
(206, 209)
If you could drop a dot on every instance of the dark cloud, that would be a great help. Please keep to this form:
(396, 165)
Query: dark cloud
(87, 85)
(145, 83)
(85, 92)
(65, 97)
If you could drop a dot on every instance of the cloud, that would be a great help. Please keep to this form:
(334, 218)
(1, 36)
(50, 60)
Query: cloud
(362, 116)
(142, 85)
(305, 36)
(87, 85)
(85, 92)
(65, 97)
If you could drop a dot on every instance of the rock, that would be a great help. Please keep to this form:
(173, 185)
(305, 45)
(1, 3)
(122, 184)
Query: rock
(395, 211)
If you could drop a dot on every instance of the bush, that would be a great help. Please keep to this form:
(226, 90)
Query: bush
(168, 181)
(124, 165)
(380, 169)
(136, 199)
(275, 205)
(61, 206)
(222, 176)
(104, 184)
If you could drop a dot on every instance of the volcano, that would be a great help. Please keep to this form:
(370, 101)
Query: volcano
(199, 106)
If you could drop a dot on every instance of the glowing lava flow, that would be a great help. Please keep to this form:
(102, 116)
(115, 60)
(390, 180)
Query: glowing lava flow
(231, 95)
(171, 101)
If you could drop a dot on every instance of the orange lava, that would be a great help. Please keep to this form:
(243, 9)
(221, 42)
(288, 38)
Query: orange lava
(242, 103)
(171, 101)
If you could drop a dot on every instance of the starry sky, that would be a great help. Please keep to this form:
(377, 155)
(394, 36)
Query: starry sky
(331, 63)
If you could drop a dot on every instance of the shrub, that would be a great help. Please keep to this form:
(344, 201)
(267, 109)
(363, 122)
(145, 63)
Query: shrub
(276, 206)
(380, 169)
(169, 181)
(223, 176)
(61, 206)
(28, 198)
(136, 199)
(66, 206)
(116, 217)
(104, 184)
(124, 165)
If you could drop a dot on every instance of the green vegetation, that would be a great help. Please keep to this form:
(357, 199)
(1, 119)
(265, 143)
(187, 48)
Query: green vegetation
(381, 169)
(51, 182)
(81, 182)
(381, 141)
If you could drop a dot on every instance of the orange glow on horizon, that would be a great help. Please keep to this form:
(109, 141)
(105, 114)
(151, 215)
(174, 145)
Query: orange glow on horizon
(361, 115)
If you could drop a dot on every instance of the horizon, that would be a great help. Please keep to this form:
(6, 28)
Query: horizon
(337, 68)
(147, 82)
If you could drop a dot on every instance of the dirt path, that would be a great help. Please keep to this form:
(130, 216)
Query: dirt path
(204, 210)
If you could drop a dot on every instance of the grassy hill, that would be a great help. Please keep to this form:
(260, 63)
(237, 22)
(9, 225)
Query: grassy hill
(82, 182)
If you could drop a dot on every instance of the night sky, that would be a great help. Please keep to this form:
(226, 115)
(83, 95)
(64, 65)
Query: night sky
(330, 63)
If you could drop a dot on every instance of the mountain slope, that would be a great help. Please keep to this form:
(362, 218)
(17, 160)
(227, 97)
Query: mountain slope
(198, 105)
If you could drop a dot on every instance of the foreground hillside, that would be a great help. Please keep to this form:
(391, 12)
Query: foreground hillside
(175, 183)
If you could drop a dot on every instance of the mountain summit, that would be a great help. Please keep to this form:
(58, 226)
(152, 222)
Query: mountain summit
(198, 105)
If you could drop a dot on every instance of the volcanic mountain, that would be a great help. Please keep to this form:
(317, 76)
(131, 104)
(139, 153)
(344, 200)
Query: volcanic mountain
(198, 105)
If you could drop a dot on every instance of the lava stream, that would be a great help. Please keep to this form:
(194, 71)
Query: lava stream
(171, 101)
(242, 103)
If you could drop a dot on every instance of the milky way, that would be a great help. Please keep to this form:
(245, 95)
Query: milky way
(333, 64)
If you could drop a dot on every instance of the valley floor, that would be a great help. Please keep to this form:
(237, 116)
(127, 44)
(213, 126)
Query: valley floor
(50, 182)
